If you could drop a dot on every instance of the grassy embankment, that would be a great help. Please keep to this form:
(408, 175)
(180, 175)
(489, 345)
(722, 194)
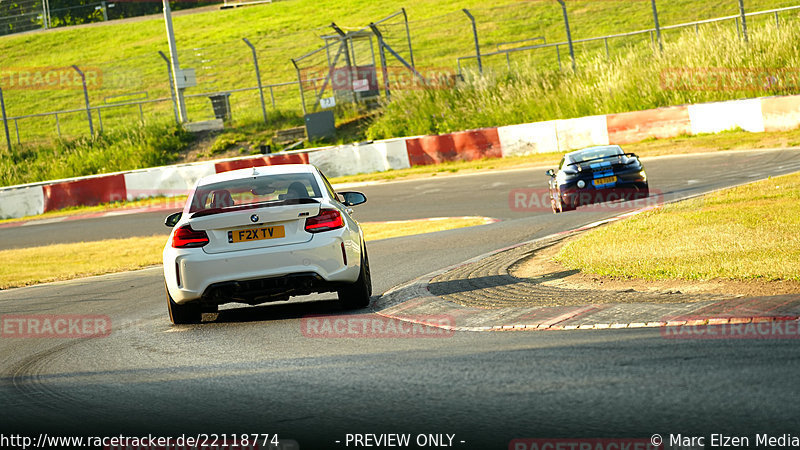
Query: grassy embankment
(534, 90)
(750, 232)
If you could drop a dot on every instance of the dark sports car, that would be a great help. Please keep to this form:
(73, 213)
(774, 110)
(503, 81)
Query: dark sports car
(596, 175)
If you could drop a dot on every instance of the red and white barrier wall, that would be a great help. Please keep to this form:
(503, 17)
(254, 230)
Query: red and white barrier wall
(756, 115)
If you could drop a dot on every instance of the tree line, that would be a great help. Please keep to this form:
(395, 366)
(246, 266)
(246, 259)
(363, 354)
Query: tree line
(24, 15)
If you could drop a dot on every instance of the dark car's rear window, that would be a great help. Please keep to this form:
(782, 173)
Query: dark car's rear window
(601, 152)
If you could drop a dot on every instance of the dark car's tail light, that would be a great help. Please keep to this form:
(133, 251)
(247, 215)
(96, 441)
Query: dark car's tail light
(327, 219)
(186, 237)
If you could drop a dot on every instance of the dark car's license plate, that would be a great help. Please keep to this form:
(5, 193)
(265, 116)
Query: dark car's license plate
(604, 180)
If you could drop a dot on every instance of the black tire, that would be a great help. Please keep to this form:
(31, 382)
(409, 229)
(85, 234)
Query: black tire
(182, 314)
(553, 204)
(562, 205)
(357, 295)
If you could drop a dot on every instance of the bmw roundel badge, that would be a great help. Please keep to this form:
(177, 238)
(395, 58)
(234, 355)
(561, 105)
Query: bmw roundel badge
(254, 218)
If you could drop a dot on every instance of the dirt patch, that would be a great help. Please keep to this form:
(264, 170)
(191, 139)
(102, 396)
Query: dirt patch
(544, 270)
(201, 149)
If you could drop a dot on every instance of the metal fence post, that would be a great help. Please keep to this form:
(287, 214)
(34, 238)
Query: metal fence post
(44, 14)
(738, 30)
(475, 36)
(258, 75)
(382, 52)
(744, 19)
(86, 99)
(176, 67)
(104, 10)
(569, 34)
(272, 96)
(777, 21)
(658, 26)
(558, 55)
(408, 38)
(171, 87)
(300, 84)
(5, 120)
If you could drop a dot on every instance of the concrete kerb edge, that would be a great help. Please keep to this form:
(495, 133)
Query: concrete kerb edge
(418, 288)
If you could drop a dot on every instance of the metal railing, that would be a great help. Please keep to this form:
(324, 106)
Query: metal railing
(651, 31)
(98, 109)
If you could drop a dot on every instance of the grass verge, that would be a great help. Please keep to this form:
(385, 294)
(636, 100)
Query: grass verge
(750, 232)
(128, 149)
(35, 265)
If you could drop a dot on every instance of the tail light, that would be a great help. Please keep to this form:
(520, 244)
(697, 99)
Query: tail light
(327, 219)
(186, 237)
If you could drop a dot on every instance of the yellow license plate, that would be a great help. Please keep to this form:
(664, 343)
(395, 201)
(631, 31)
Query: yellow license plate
(606, 180)
(256, 234)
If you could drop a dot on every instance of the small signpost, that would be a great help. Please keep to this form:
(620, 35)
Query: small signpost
(327, 102)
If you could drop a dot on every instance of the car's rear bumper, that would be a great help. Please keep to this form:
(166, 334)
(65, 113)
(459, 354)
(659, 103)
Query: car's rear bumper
(191, 274)
(591, 195)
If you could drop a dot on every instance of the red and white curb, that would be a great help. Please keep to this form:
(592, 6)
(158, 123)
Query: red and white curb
(413, 301)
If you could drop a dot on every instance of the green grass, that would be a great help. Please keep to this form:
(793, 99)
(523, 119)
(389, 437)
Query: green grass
(125, 149)
(628, 82)
(751, 232)
(125, 53)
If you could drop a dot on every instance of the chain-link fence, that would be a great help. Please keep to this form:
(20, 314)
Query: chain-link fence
(336, 65)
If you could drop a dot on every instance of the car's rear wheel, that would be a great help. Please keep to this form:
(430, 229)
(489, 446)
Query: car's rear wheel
(562, 205)
(182, 314)
(553, 204)
(357, 294)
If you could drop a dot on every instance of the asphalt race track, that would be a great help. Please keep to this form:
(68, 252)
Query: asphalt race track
(252, 370)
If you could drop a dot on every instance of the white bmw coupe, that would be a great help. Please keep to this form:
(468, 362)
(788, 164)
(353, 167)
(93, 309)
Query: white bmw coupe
(264, 234)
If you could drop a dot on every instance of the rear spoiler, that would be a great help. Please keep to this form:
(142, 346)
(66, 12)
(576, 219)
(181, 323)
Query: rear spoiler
(603, 157)
(292, 201)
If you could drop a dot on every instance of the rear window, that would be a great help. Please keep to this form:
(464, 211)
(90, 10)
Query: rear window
(602, 152)
(255, 190)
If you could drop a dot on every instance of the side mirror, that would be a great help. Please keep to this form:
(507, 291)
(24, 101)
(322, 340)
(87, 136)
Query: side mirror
(173, 219)
(353, 198)
(550, 173)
